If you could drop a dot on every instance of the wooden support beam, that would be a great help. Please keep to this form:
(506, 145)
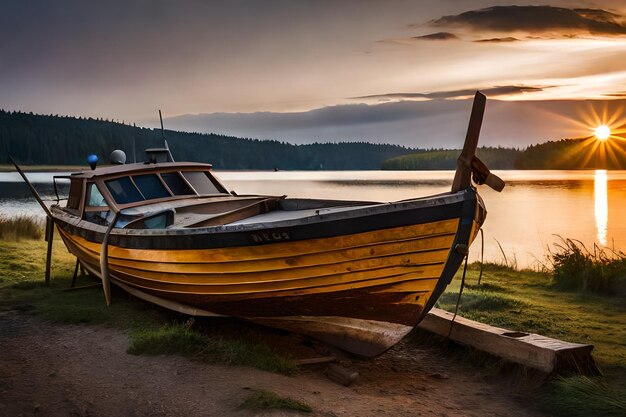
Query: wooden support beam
(83, 287)
(531, 350)
(315, 361)
(49, 237)
(75, 276)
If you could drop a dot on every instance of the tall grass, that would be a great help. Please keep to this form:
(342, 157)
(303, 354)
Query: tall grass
(22, 227)
(580, 396)
(575, 268)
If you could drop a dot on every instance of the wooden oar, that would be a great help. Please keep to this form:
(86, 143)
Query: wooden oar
(32, 189)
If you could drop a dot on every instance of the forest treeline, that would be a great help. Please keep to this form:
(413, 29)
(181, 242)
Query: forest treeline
(575, 154)
(494, 158)
(562, 154)
(65, 140)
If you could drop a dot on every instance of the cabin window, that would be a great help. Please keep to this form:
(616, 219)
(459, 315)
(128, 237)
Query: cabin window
(201, 182)
(124, 191)
(95, 197)
(151, 186)
(177, 185)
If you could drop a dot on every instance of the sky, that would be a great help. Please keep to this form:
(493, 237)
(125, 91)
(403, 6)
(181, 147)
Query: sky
(393, 71)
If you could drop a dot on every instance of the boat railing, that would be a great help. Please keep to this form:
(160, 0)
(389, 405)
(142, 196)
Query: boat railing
(56, 189)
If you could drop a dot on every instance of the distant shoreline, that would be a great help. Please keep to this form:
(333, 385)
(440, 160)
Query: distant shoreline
(72, 168)
(43, 168)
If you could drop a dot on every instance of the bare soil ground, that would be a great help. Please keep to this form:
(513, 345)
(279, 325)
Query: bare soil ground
(61, 370)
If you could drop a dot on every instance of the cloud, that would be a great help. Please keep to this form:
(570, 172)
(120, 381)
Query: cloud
(498, 40)
(536, 19)
(439, 36)
(455, 94)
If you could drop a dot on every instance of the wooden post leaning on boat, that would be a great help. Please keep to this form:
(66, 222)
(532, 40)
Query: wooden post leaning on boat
(49, 234)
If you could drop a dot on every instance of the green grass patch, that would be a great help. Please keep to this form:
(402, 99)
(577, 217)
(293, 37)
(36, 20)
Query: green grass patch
(27, 285)
(172, 339)
(262, 400)
(22, 288)
(178, 339)
(528, 301)
(22, 227)
(477, 300)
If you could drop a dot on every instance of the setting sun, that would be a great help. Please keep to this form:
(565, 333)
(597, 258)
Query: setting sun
(603, 132)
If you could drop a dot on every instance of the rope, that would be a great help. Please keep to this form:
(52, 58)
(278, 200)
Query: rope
(482, 253)
(458, 300)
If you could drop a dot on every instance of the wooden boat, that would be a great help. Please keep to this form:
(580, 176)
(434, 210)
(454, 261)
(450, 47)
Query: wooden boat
(357, 274)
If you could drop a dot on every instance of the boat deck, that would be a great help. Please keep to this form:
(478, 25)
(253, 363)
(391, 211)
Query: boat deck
(242, 210)
(279, 215)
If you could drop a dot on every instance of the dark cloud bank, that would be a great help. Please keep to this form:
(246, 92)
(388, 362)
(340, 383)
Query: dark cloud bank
(439, 36)
(490, 92)
(536, 19)
(498, 40)
(433, 123)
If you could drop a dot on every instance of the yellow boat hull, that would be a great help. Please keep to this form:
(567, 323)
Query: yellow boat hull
(361, 291)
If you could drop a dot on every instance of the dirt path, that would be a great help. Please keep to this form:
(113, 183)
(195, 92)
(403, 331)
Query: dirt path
(53, 370)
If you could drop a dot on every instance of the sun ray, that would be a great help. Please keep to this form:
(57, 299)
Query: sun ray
(589, 153)
(612, 159)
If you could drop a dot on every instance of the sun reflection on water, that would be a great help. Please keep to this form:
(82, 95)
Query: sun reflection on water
(601, 205)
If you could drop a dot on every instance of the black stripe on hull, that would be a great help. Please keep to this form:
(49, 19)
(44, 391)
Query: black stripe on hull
(231, 237)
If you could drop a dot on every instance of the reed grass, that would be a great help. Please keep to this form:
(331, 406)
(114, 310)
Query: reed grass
(576, 268)
(580, 396)
(23, 227)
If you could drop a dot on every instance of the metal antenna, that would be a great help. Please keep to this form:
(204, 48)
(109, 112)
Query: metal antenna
(169, 153)
(161, 119)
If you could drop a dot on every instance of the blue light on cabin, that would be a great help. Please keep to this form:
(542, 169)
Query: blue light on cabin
(92, 160)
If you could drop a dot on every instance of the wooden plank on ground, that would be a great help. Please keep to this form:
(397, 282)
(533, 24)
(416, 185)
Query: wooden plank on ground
(528, 349)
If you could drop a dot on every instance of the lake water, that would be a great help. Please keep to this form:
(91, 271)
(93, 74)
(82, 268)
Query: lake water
(527, 217)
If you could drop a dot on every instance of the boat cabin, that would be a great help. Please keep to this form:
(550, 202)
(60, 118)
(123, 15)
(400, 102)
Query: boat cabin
(147, 196)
